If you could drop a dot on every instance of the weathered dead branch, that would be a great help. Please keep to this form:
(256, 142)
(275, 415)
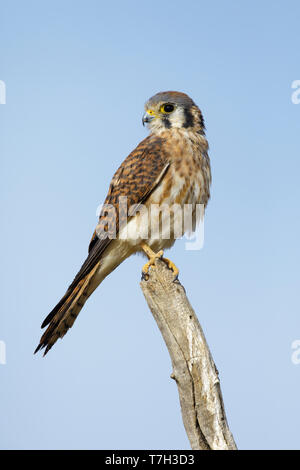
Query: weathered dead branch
(193, 367)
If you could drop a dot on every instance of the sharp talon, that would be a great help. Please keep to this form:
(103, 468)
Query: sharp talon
(145, 276)
(173, 267)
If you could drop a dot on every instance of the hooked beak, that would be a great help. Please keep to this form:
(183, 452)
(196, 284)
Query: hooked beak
(147, 118)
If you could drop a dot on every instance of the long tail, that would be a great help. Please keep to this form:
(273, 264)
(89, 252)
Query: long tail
(62, 317)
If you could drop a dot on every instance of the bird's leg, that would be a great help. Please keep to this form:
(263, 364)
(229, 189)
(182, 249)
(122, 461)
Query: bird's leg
(154, 256)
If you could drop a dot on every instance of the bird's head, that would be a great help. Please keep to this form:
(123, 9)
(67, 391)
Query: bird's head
(172, 109)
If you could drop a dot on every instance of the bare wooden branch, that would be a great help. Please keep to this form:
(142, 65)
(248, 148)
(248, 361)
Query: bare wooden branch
(193, 367)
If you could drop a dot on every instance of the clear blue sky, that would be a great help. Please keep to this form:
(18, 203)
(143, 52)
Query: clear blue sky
(77, 75)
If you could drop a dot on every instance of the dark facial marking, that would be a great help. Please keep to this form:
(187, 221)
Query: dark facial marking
(201, 121)
(167, 123)
(189, 120)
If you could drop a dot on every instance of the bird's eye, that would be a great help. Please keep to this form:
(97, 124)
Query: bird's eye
(167, 108)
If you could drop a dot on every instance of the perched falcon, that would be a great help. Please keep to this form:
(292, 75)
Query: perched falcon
(171, 166)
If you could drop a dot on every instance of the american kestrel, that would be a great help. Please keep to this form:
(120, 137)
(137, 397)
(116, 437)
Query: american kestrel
(171, 166)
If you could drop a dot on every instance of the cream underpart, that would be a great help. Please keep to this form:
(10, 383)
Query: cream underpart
(130, 239)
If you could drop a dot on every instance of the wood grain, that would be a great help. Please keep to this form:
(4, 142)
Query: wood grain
(193, 367)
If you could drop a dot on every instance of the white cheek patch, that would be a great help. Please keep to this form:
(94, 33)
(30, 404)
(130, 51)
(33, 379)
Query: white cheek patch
(177, 118)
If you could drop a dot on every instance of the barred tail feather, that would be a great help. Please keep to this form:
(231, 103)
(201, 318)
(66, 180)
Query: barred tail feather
(64, 314)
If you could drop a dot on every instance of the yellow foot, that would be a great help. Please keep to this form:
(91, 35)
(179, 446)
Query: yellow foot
(172, 266)
(152, 258)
